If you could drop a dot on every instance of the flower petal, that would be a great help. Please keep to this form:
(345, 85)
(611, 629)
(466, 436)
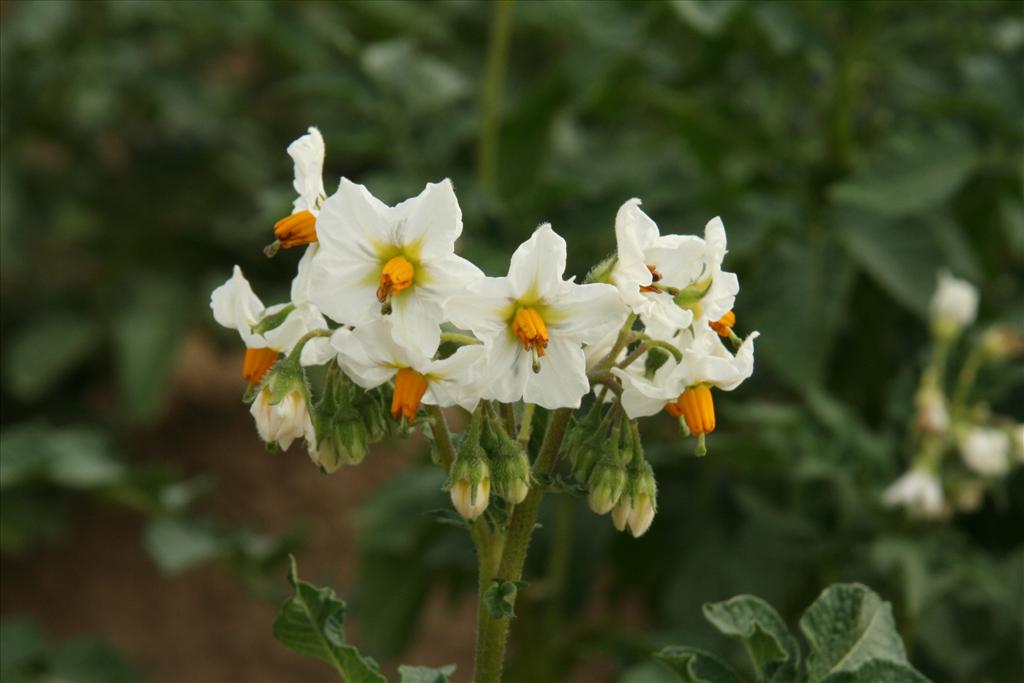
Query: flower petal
(416, 323)
(583, 314)
(432, 220)
(538, 264)
(562, 380)
(308, 154)
(482, 307)
(236, 307)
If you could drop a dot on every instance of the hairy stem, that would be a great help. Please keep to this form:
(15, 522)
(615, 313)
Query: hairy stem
(442, 438)
(491, 644)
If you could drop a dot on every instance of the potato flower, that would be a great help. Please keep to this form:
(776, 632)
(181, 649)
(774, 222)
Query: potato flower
(300, 227)
(534, 324)
(377, 261)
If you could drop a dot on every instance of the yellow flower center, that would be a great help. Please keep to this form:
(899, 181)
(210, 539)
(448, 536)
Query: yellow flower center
(696, 406)
(409, 389)
(532, 332)
(396, 275)
(296, 229)
(723, 326)
(257, 363)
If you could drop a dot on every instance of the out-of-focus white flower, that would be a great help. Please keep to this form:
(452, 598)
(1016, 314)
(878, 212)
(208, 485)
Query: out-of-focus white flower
(986, 451)
(932, 415)
(371, 356)
(954, 304)
(535, 324)
(376, 261)
(267, 332)
(920, 492)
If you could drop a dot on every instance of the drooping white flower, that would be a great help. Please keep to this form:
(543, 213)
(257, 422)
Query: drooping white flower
(300, 227)
(651, 269)
(986, 451)
(535, 324)
(919, 491)
(671, 280)
(684, 388)
(399, 263)
(371, 357)
(237, 307)
(284, 421)
(954, 304)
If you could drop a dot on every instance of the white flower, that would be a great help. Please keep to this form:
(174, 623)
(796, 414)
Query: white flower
(301, 226)
(673, 279)
(396, 262)
(647, 264)
(371, 357)
(919, 491)
(986, 451)
(236, 307)
(705, 363)
(535, 324)
(284, 421)
(308, 154)
(955, 302)
(932, 415)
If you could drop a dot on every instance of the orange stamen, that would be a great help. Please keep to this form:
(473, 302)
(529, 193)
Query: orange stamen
(296, 229)
(257, 363)
(396, 275)
(409, 389)
(531, 330)
(655, 277)
(723, 326)
(696, 406)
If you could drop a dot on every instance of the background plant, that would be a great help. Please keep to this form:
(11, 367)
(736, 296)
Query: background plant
(853, 149)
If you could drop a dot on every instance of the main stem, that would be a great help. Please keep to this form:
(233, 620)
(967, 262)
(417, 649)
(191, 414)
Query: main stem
(492, 636)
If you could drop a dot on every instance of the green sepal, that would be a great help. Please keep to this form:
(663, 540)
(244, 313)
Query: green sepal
(602, 272)
(273, 321)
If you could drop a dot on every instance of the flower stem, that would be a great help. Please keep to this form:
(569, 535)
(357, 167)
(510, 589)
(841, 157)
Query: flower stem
(494, 84)
(442, 438)
(493, 636)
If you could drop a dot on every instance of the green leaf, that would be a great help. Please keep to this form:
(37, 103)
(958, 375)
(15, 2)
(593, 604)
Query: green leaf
(179, 544)
(909, 175)
(47, 348)
(500, 597)
(424, 674)
(878, 671)
(22, 645)
(796, 298)
(87, 660)
(697, 666)
(848, 626)
(148, 334)
(903, 257)
(773, 649)
(312, 623)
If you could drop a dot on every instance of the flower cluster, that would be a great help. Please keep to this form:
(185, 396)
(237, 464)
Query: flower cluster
(401, 321)
(950, 420)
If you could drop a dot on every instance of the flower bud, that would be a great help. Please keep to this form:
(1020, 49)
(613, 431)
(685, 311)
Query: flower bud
(470, 484)
(280, 408)
(954, 306)
(510, 473)
(653, 361)
(584, 457)
(607, 482)
(986, 451)
(932, 415)
(1002, 342)
(637, 505)
(342, 439)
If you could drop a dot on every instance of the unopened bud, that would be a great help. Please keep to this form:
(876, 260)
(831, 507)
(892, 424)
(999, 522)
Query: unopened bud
(510, 473)
(470, 485)
(1002, 342)
(280, 407)
(607, 482)
(653, 361)
(637, 505)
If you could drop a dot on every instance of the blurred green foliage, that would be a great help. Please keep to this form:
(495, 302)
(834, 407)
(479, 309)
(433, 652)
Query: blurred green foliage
(852, 149)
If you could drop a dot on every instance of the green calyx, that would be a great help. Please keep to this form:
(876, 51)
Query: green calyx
(273, 321)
